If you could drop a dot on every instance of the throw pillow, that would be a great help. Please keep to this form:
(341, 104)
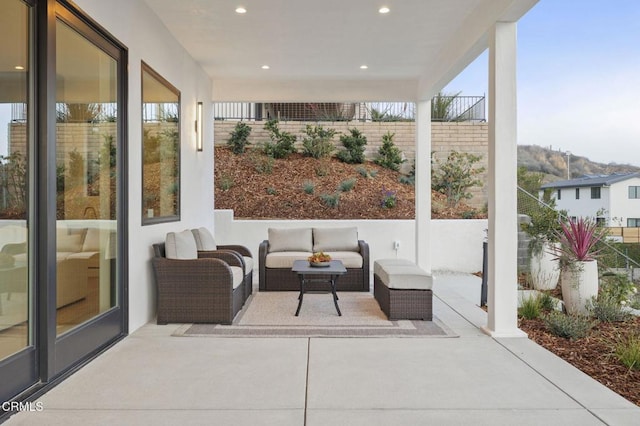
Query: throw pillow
(296, 239)
(180, 245)
(335, 239)
(204, 239)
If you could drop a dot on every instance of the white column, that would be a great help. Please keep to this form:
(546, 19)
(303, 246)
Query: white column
(503, 240)
(423, 185)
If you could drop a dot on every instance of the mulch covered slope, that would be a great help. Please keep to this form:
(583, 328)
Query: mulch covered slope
(252, 196)
(594, 354)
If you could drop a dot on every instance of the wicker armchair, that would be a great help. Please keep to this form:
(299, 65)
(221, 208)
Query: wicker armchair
(198, 290)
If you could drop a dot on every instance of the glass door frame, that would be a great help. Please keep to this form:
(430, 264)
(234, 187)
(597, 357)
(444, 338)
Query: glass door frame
(87, 339)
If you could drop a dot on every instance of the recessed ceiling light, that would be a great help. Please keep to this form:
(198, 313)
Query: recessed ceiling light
(19, 67)
(363, 67)
(265, 67)
(241, 10)
(384, 9)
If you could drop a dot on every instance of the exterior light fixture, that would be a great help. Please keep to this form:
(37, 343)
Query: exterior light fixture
(265, 67)
(364, 67)
(383, 10)
(199, 135)
(19, 67)
(241, 10)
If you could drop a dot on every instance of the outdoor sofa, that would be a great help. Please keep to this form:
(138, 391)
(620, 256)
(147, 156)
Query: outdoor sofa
(197, 286)
(277, 254)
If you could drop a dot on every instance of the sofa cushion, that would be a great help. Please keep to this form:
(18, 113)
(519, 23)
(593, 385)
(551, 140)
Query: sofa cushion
(92, 240)
(238, 277)
(405, 277)
(181, 245)
(248, 263)
(350, 259)
(204, 239)
(296, 239)
(284, 259)
(381, 264)
(335, 239)
(72, 243)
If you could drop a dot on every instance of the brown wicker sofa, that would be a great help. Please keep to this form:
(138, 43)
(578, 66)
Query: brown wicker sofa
(208, 287)
(277, 254)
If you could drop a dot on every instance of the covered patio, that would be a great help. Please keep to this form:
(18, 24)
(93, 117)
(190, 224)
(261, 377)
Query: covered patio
(154, 378)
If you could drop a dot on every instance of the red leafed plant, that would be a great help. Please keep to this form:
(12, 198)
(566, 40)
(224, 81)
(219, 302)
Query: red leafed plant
(578, 239)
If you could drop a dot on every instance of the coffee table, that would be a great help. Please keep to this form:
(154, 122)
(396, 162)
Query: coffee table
(329, 275)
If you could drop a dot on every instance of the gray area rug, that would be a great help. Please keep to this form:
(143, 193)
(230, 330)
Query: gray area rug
(271, 314)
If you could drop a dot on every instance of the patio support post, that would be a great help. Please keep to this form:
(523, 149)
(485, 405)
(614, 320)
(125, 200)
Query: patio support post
(503, 241)
(423, 184)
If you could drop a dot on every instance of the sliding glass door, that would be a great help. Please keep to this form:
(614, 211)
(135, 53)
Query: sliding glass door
(17, 335)
(62, 192)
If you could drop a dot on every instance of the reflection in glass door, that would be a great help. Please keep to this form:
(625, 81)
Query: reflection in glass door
(86, 179)
(18, 368)
(15, 292)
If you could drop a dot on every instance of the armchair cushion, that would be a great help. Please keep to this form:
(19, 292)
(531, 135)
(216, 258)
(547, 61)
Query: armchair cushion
(335, 239)
(298, 239)
(181, 245)
(204, 239)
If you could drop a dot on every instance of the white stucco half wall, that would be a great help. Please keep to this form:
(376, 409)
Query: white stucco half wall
(456, 244)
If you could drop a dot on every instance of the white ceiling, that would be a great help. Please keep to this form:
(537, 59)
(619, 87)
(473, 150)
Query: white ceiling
(315, 47)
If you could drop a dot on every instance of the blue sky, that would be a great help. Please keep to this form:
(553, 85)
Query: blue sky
(578, 78)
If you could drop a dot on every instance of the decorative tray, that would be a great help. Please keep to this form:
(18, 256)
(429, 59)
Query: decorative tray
(319, 264)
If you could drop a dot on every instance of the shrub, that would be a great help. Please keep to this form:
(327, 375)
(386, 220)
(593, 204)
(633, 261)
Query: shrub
(354, 147)
(322, 168)
(617, 287)
(271, 191)
(530, 308)
(347, 185)
(362, 171)
(239, 138)
(282, 143)
(547, 304)
(317, 143)
(606, 308)
(263, 164)
(389, 155)
(567, 326)
(389, 199)
(628, 351)
(308, 187)
(226, 182)
(455, 176)
(331, 200)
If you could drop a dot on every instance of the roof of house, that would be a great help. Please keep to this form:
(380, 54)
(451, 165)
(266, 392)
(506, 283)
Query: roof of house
(591, 180)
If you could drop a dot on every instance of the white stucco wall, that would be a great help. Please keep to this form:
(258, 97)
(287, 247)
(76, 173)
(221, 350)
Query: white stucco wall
(584, 206)
(147, 39)
(456, 244)
(624, 207)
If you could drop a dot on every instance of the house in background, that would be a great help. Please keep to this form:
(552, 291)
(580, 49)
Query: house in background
(612, 199)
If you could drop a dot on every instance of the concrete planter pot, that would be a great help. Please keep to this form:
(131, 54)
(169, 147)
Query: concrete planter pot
(544, 269)
(579, 282)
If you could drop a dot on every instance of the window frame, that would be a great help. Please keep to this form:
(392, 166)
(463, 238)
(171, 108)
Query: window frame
(146, 220)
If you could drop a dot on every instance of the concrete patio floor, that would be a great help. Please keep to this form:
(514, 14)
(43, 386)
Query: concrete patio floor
(153, 378)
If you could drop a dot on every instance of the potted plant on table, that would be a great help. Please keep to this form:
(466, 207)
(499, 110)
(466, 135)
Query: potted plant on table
(577, 252)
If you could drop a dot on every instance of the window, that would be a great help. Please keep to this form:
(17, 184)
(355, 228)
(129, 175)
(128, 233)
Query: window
(577, 193)
(160, 149)
(634, 192)
(595, 193)
(559, 194)
(633, 222)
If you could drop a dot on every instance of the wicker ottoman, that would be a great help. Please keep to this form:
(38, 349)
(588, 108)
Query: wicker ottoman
(402, 289)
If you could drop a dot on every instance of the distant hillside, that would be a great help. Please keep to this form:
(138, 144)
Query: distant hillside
(554, 163)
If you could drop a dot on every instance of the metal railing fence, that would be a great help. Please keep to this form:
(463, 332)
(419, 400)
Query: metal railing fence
(444, 108)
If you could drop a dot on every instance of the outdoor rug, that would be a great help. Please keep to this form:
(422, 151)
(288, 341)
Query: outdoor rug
(271, 314)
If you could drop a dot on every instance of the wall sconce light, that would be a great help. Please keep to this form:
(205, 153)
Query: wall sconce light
(199, 135)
